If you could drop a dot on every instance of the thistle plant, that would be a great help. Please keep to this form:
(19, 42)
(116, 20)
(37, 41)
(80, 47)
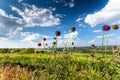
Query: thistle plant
(94, 47)
(57, 33)
(73, 29)
(107, 28)
(44, 44)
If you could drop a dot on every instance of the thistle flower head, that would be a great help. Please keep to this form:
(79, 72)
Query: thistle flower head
(44, 39)
(73, 29)
(114, 47)
(39, 44)
(54, 43)
(57, 33)
(115, 27)
(92, 45)
(72, 43)
(46, 44)
(106, 28)
(92, 55)
(54, 38)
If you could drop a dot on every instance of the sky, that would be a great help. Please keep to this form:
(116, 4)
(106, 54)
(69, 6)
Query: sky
(24, 23)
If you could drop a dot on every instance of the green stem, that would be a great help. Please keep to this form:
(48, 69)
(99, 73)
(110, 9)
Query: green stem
(107, 40)
(95, 51)
(56, 41)
(102, 38)
(67, 42)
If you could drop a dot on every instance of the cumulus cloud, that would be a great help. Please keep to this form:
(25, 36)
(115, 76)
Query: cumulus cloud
(8, 26)
(69, 3)
(20, 0)
(33, 16)
(97, 31)
(107, 15)
(79, 19)
(71, 35)
(11, 26)
(31, 37)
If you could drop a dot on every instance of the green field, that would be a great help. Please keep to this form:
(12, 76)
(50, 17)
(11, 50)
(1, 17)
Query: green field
(59, 66)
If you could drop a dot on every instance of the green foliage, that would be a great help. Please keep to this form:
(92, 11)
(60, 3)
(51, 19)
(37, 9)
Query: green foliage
(66, 66)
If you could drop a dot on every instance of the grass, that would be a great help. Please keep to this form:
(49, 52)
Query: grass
(74, 66)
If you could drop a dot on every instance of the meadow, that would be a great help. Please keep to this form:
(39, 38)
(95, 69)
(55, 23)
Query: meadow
(87, 63)
(58, 66)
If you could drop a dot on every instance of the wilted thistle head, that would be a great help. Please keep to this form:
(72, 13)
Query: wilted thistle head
(92, 45)
(106, 28)
(57, 33)
(44, 39)
(73, 29)
(115, 26)
(72, 43)
(39, 44)
(114, 47)
(92, 55)
(46, 44)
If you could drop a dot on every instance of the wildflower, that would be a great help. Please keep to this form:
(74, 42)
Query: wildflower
(72, 43)
(44, 39)
(46, 44)
(115, 27)
(54, 38)
(39, 44)
(54, 43)
(92, 45)
(57, 33)
(114, 47)
(106, 28)
(73, 29)
(92, 55)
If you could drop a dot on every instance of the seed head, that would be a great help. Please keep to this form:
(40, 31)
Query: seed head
(115, 26)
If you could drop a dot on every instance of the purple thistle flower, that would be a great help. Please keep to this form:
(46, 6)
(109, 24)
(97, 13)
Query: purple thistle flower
(39, 44)
(106, 28)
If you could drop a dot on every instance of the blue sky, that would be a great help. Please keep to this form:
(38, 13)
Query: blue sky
(24, 23)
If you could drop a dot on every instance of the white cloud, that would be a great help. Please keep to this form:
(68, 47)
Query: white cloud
(31, 37)
(69, 3)
(107, 15)
(16, 44)
(97, 31)
(79, 19)
(107, 35)
(92, 41)
(34, 16)
(8, 26)
(71, 35)
(20, 0)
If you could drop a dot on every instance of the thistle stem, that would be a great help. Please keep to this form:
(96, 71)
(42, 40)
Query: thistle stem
(67, 42)
(107, 40)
